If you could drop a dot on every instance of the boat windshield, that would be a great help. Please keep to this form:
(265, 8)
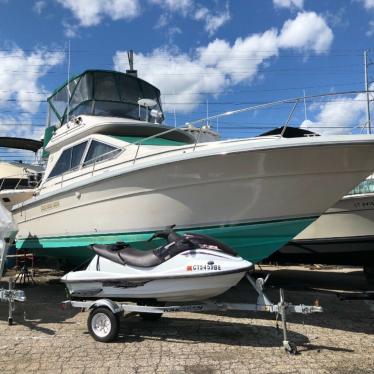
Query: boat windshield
(367, 186)
(105, 93)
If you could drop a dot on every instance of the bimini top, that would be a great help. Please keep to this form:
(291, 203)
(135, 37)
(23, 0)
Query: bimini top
(105, 93)
(20, 143)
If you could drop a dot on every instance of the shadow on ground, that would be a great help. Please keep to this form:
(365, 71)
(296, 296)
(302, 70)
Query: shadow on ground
(302, 287)
(197, 331)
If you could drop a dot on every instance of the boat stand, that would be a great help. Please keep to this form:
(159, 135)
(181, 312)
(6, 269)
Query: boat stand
(103, 321)
(11, 296)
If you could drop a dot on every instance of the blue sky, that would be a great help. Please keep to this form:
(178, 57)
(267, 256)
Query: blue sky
(212, 55)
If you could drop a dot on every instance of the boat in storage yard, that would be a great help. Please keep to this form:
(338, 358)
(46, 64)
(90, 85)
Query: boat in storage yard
(344, 235)
(115, 173)
(17, 177)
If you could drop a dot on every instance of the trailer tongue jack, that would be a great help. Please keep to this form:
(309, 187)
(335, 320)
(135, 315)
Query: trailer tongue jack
(11, 296)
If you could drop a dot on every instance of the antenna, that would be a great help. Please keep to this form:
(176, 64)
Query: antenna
(131, 71)
(207, 112)
(68, 86)
(366, 64)
(306, 118)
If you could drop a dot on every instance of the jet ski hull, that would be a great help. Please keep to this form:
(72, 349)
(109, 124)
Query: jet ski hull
(190, 276)
(179, 289)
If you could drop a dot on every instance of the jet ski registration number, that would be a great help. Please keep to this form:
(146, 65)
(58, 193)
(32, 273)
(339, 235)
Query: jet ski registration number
(203, 267)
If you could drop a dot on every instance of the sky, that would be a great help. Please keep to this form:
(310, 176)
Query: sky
(207, 57)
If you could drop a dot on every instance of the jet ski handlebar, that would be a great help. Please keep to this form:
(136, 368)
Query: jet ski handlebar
(168, 234)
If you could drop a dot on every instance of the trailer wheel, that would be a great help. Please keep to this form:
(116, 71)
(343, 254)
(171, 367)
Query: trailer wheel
(103, 324)
(369, 273)
(151, 316)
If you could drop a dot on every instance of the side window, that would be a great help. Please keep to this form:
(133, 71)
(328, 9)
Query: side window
(99, 151)
(62, 164)
(76, 154)
(69, 159)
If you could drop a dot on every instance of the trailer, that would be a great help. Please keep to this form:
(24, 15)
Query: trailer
(104, 319)
(11, 296)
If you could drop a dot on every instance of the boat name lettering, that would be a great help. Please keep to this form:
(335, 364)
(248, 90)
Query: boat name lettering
(203, 267)
(366, 204)
(48, 206)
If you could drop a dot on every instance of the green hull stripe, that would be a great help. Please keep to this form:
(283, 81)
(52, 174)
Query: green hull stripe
(253, 241)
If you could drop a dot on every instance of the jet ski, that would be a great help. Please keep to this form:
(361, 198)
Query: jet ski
(187, 267)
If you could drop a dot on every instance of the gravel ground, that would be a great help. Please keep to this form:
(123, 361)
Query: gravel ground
(46, 339)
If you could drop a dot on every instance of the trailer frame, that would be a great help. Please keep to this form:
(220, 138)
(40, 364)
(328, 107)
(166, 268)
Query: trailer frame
(103, 321)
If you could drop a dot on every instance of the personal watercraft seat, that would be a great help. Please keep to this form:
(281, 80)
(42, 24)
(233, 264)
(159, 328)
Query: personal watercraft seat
(127, 255)
(124, 254)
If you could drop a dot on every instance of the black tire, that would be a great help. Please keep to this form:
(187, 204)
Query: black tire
(150, 316)
(369, 274)
(103, 324)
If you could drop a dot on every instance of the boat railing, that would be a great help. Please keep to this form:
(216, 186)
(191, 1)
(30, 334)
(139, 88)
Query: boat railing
(20, 178)
(140, 142)
(206, 120)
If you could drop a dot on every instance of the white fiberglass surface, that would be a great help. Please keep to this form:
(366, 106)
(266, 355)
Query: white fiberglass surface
(182, 264)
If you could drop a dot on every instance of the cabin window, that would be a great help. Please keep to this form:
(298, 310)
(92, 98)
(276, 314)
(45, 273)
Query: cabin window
(76, 154)
(105, 87)
(82, 93)
(111, 108)
(69, 160)
(100, 151)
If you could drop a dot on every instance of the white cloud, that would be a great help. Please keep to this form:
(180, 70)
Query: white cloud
(39, 6)
(188, 8)
(213, 21)
(368, 4)
(20, 73)
(370, 31)
(338, 115)
(289, 3)
(20, 126)
(70, 30)
(182, 6)
(92, 12)
(21, 91)
(219, 65)
(307, 31)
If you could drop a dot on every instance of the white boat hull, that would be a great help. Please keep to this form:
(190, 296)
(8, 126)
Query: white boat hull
(344, 235)
(226, 184)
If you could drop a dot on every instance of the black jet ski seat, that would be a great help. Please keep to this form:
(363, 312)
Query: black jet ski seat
(123, 254)
(126, 255)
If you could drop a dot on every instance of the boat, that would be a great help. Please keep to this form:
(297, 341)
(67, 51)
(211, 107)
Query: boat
(343, 235)
(187, 268)
(18, 178)
(115, 172)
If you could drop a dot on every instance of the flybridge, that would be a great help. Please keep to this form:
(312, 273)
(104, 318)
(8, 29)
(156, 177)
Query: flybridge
(105, 93)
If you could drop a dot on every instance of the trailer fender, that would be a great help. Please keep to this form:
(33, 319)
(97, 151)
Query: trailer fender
(106, 303)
